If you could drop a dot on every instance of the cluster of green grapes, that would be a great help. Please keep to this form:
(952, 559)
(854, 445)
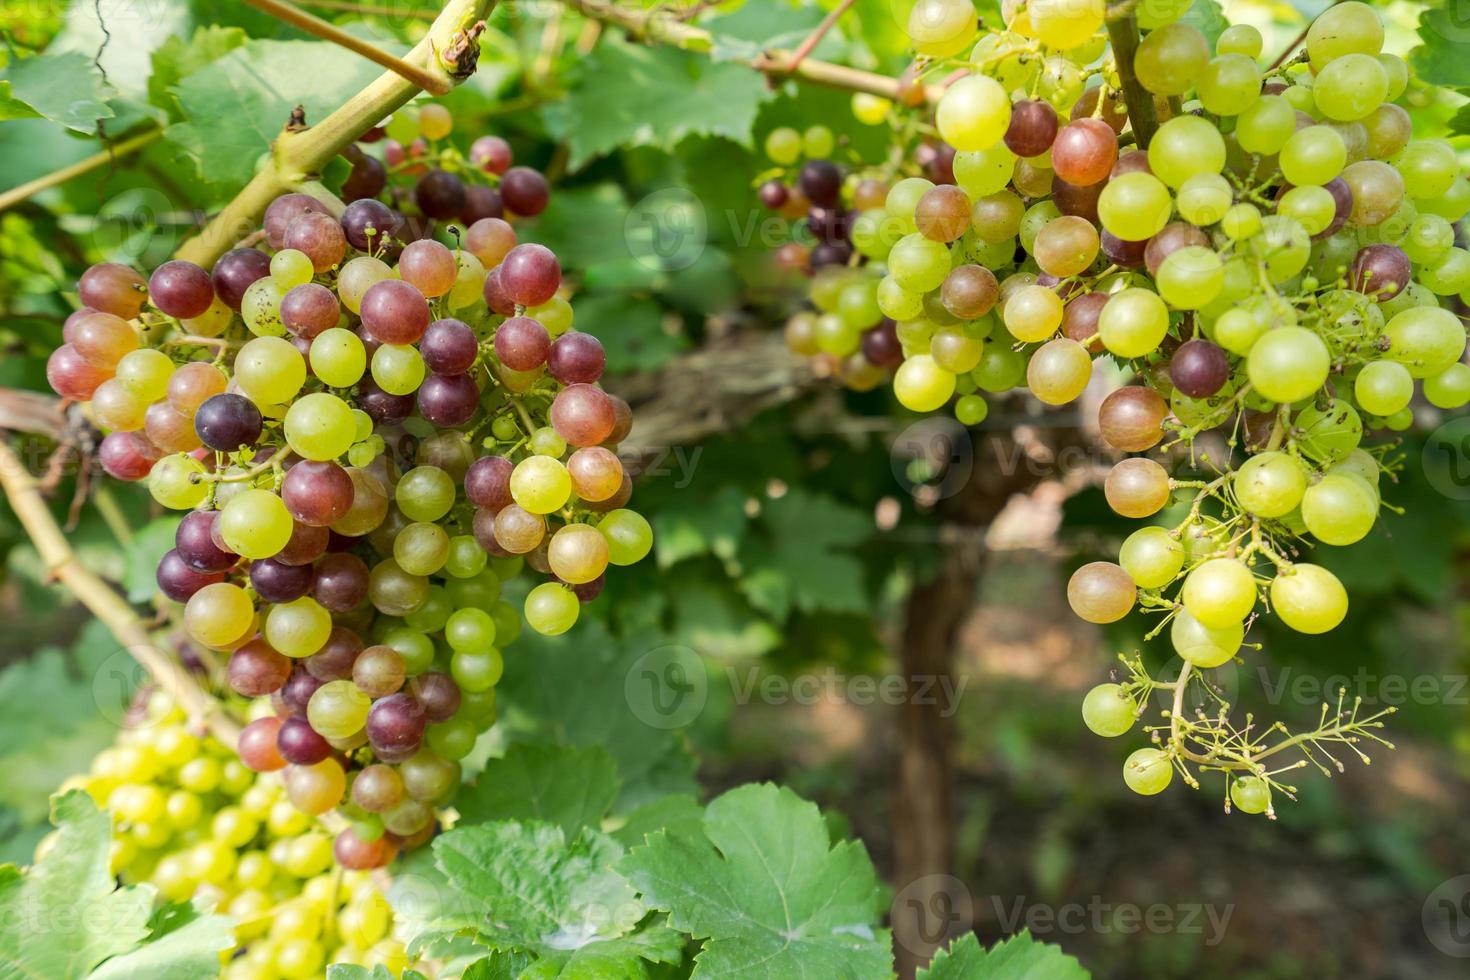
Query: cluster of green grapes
(371, 432)
(193, 821)
(1277, 263)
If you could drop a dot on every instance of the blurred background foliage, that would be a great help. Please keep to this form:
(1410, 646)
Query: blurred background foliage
(787, 546)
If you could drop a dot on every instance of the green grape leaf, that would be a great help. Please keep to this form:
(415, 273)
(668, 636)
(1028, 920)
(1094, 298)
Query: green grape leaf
(800, 561)
(631, 329)
(574, 688)
(678, 813)
(176, 59)
(150, 543)
(65, 88)
(689, 526)
(255, 87)
(564, 785)
(66, 917)
(1017, 958)
(1206, 17)
(752, 29)
(632, 95)
(1441, 60)
(710, 618)
(351, 971)
(767, 891)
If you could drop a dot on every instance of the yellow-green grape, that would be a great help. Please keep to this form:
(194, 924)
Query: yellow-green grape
(291, 267)
(1033, 313)
(1107, 710)
(555, 315)
(1202, 645)
(818, 142)
(783, 145)
(1383, 387)
(1133, 322)
(320, 426)
(1270, 484)
(338, 357)
(1134, 206)
(1157, 13)
(956, 351)
(870, 110)
(1350, 87)
(435, 121)
(469, 283)
(941, 28)
(1266, 125)
(144, 374)
(1185, 146)
(1345, 28)
(425, 493)
(359, 275)
(255, 524)
(971, 409)
(1152, 557)
(1059, 371)
(1313, 156)
(1171, 59)
(1339, 509)
(298, 628)
(398, 368)
(1204, 199)
(1312, 207)
(172, 482)
(1450, 275)
(338, 709)
(212, 322)
(1308, 598)
(1148, 772)
(1065, 24)
(1229, 84)
(984, 172)
(903, 198)
(540, 484)
(1283, 245)
(1450, 388)
(1288, 363)
(261, 307)
(1251, 794)
(1240, 39)
(551, 608)
(1396, 69)
(973, 113)
(1190, 277)
(1220, 592)
(1101, 592)
(269, 370)
(629, 537)
(421, 548)
(921, 385)
(218, 614)
(1425, 339)
(919, 263)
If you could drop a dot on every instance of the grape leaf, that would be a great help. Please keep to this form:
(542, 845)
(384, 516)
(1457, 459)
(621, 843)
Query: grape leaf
(629, 95)
(65, 88)
(351, 971)
(689, 526)
(177, 59)
(1441, 60)
(1206, 17)
(752, 29)
(678, 813)
(798, 563)
(1017, 958)
(185, 945)
(150, 543)
(710, 618)
(570, 787)
(767, 891)
(255, 87)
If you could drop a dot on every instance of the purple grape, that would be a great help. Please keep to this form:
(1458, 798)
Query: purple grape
(310, 308)
(299, 743)
(821, 182)
(367, 178)
(448, 400)
(195, 544)
(449, 346)
(334, 660)
(395, 311)
(831, 253)
(481, 202)
(1121, 252)
(235, 271)
(881, 346)
(1199, 368)
(587, 591)
(576, 358)
(438, 694)
(227, 422)
(298, 689)
(1380, 271)
(256, 669)
(181, 289)
(487, 482)
(275, 581)
(774, 195)
(524, 191)
(530, 274)
(440, 194)
(829, 224)
(284, 210)
(383, 408)
(367, 223)
(521, 343)
(319, 237)
(491, 154)
(341, 581)
(317, 492)
(178, 581)
(127, 455)
(1033, 128)
(395, 723)
(1342, 196)
(495, 295)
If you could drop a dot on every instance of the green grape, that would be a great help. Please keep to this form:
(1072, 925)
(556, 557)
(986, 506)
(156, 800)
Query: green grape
(1037, 217)
(1288, 363)
(425, 493)
(416, 649)
(919, 263)
(973, 113)
(921, 385)
(469, 284)
(1339, 509)
(857, 304)
(1240, 39)
(1191, 277)
(291, 267)
(1452, 205)
(437, 606)
(1350, 87)
(1000, 369)
(984, 172)
(1220, 592)
(546, 442)
(338, 709)
(269, 370)
(1230, 84)
(956, 351)
(971, 410)
(1345, 28)
(1313, 155)
(1065, 24)
(540, 484)
(453, 739)
(1308, 598)
(1328, 432)
(1425, 339)
(1266, 125)
(551, 608)
(874, 233)
(1157, 13)
(398, 369)
(1284, 245)
(172, 482)
(898, 303)
(320, 426)
(869, 109)
(298, 628)
(255, 524)
(903, 198)
(1204, 646)
(477, 670)
(1429, 239)
(1133, 322)
(1450, 388)
(1251, 794)
(1061, 82)
(1241, 221)
(1450, 275)
(1383, 387)
(629, 538)
(260, 307)
(1148, 772)
(818, 142)
(421, 548)
(1033, 313)
(470, 629)
(144, 374)
(1171, 59)
(1185, 146)
(1107, 710)
(1152, 557)
(338, 357)
(783, 145)
(1270, 484)
(1429, 167)
(1059, 371)
(1204, 199)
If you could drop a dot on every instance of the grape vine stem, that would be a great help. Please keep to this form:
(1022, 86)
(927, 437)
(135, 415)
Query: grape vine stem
(298, 156)
(1123, 32)
(55, 178)
(327, 31)
(23, 491)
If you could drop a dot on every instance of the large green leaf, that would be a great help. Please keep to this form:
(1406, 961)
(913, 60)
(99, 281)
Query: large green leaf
(1441, 60)
(237, 105)
(767, 891)
(803, 561)
(630, 95)
(570, 787)
(65, 88)
(1017, 958)
(177, 59)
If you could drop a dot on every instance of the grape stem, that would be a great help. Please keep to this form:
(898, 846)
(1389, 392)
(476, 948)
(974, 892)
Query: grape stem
(1123, 32)
(244, 475)
(314, 25)
(23, 492)
(448, 51)
(818, 32)
(55, 178)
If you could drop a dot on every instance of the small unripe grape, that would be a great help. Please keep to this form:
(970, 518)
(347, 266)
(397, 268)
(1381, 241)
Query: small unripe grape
(1152, 557)
(1201, 645)
(1137, 487)
(1308, 598)
(1108, 711)
(1148, 772)
(1220, 592)
(1101, 592)
(1250, 794)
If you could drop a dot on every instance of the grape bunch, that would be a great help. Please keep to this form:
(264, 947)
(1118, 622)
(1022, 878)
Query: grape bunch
(192, 820)
(370, 436)
(1276, 267)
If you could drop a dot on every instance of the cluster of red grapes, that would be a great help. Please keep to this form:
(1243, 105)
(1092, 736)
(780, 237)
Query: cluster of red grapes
(367, 451)
(1276, 266)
